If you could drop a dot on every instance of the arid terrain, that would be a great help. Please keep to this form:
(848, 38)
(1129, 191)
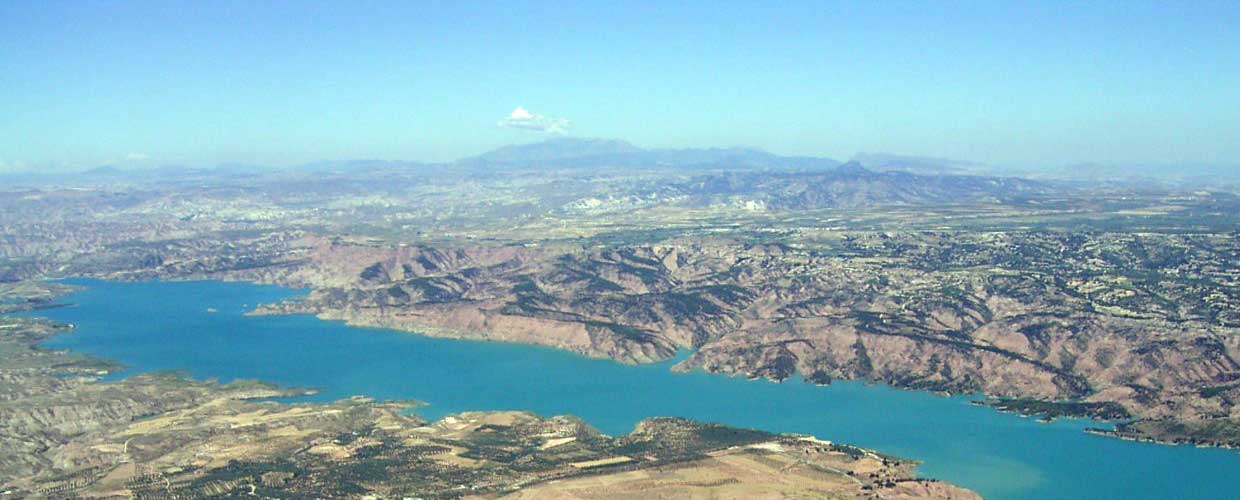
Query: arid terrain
(68, 435)
(1051, 298)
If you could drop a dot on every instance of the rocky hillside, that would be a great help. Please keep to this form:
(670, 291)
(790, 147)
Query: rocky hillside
(67, 435)
(1147, 323)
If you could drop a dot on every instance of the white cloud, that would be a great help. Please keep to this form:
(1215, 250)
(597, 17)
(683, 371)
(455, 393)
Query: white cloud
(137, 157)
(524, 119)
(520, 114)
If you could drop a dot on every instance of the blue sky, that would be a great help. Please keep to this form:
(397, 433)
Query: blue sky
(1012, 83)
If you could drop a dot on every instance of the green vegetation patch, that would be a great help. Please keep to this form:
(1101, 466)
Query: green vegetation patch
(1050, 410)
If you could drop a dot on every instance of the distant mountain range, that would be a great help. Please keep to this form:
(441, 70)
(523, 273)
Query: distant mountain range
(617, 156)
(919, 164)
(571, 153)
(780, 182)
(852, 185)
(576, 153)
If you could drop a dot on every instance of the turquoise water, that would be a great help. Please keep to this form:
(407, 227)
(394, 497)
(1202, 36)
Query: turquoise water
(167, 325)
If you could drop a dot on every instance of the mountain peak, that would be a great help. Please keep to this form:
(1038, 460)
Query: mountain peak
(573, 152)
(852, 168)
(559, 148)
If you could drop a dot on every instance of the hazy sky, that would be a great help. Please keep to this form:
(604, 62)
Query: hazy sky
(1047, 83)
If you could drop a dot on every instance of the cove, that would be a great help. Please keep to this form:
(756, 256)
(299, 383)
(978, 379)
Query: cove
(201, 328)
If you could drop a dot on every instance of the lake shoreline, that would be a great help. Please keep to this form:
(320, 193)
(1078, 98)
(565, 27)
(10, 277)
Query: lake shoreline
(872, 416)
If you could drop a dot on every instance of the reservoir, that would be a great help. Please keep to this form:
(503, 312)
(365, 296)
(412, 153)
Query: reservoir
(200, 328)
